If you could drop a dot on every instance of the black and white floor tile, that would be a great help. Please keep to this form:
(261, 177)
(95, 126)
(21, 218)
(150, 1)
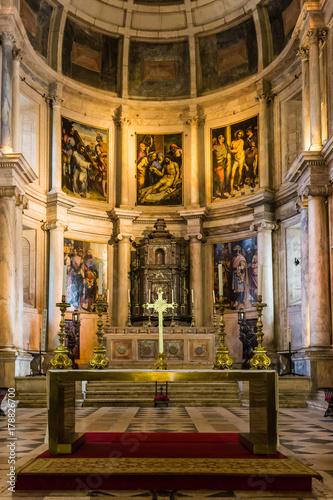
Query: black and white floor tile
(304, 434)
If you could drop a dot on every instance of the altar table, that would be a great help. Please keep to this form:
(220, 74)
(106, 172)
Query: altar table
(263, 398)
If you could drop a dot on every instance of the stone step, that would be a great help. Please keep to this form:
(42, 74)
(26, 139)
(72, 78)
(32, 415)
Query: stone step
(232, 403)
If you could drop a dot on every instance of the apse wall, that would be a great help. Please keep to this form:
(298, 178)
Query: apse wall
(115, 75)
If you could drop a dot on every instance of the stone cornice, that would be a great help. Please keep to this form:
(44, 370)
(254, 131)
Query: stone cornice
(286, 193)
(15, 171)
(327, 152)
(309, 171)
(262, 197)
(198, 213)
(120, 214)
(60, 199)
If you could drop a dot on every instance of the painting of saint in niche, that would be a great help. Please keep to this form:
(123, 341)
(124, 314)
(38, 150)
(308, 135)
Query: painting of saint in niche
(235, 159)
(239, 261)
(159, 169)
(82, 260)
(84, 160)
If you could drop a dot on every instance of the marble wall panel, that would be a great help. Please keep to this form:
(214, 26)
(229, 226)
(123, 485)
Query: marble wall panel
(122, 349)
(36, 17)
(283, 15)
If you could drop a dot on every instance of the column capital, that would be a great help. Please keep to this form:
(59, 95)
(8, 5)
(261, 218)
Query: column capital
(50, 225)
(7, 37)
(313, 35)
(264, 225)
(302, 202)
(121, 121)
(303, 52)
(16, 53)
(22, 201)
(322, 36)
(196, 120)
(9, 192)
(54, 100)
(194, 238)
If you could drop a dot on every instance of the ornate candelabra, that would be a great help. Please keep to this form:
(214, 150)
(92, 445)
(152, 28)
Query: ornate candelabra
(61, 359)
(214, 316)
(172, 324)
(260, 360)
(129, 322)
(149, 317)
(192, 314)
(99, 359)
(222, 360)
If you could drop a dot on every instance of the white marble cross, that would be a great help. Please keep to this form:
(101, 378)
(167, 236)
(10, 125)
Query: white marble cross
(160, 306)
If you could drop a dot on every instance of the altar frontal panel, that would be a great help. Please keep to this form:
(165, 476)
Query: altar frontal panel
(159, 169)
(85, 157)
(82, 259)
(235, 159)
(239, 261)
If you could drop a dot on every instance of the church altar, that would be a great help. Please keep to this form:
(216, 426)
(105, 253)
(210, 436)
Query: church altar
(263, 398)
(139, 346)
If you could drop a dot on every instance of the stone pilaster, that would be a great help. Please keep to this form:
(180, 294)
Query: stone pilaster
(7, 39)
(16, 99)
(15, 173)
(303, 52)
(305, 273)
(195, 122)
(315, 101)
(122, 123)
(123, 237)
(55, 99)
(264, 97)
(195, 235)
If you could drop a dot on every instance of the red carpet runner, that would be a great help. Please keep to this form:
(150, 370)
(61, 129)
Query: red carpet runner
(172, 461)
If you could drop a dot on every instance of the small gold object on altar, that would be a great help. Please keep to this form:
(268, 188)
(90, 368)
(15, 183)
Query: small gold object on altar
(223, 360)
(160, 306)
(99, 359)
(260, 360)
(61, 359)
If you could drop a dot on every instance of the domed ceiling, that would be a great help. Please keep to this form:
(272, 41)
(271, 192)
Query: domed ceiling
(164, 49)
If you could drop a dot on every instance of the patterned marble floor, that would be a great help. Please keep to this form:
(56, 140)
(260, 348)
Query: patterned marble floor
(304, 434)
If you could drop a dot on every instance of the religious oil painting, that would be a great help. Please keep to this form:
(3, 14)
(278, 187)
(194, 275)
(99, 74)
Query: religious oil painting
(82, 259)
(235, 159)
(84, 160)
(239, 261)
(159, 169)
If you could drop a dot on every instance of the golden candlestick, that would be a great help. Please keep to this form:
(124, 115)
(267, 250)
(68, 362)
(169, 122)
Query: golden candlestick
(260, 360)
(61, 359)
(99, 359)
(222, 360)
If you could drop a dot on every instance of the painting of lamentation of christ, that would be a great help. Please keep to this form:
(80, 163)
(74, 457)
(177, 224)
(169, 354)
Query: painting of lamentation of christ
(82, 259)
(159, 169)
(235, 159)
(84, 154)
(239, 261)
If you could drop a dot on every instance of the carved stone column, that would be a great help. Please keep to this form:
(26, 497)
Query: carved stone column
(55, 101)
(319, 290)
(195, 235)
(123, 236)
(195, 122)
(315, 101)
(16, 99)
(56, 262)
(264, 98)
(7, 39)
(123, 124)
(303, 52)
(305, 274)
(265, 259)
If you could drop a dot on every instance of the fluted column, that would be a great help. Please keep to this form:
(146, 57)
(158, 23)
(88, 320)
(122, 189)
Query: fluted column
(123, 283)
(264, 98)
(265, 259)
(305, 274)
(56, 263)
(303, 52)
(56, 101)
(195, 122)
(16, 99)
(314, 79)
(7, 39)
(319, 290)
(123, 125)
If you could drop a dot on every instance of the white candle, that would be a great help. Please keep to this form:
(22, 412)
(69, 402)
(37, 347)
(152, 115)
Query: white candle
(128, 296)
(64, 274)
(172, 296)
(213, 297)
(261, 269)
(149, 296)
(192, 296)
(100, 278)
(220, 280)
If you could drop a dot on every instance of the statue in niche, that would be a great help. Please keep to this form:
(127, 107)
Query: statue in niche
(161, 261)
